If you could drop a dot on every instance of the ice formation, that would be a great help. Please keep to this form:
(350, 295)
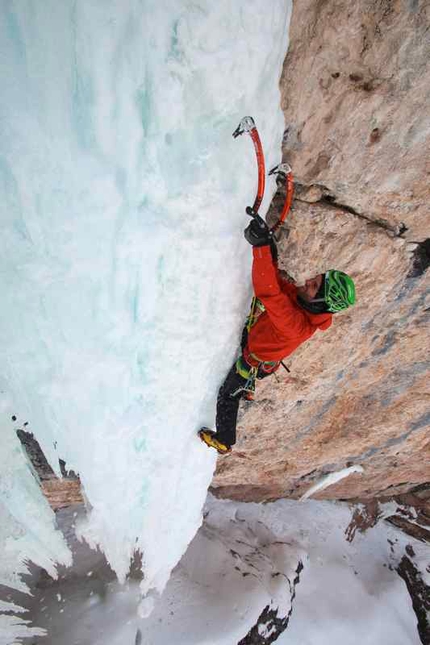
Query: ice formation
(330, 479)
(125, 274)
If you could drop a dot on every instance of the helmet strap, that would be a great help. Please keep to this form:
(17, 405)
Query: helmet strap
(313, 306)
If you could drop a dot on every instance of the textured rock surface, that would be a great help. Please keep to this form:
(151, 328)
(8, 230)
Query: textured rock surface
(419, 592)
(410, 513)
(60, 492)
(355, 92)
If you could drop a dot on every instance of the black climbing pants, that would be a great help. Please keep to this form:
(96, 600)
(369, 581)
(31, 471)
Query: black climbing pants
(227, 407)
(229, 395)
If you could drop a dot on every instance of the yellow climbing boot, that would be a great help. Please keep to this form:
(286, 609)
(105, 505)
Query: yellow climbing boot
(209, 438)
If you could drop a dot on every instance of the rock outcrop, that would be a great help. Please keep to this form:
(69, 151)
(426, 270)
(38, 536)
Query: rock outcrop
(355, 93)
(419, 592)
(60, 492)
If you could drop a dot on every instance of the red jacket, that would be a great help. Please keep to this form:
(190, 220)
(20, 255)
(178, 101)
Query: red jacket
(284, 325)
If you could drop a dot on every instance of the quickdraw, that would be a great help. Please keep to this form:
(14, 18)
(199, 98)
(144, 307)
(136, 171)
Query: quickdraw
(250, 367)
(249, 373)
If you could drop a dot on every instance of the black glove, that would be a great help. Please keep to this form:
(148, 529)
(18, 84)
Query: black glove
(257, 232)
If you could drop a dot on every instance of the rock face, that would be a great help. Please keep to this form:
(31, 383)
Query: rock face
(270, 625)
(60, 492)
(419, 592)
(356, 98)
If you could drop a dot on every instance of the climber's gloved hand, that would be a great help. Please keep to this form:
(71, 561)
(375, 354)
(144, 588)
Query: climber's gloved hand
(257, 232)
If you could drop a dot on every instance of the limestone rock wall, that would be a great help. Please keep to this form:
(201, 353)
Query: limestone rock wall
(356, 97)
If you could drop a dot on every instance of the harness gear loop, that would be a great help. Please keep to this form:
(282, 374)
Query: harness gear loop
(249, 367)
(248, 372)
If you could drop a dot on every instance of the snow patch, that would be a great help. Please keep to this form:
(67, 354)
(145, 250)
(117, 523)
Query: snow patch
(243, 560)
(330, 479)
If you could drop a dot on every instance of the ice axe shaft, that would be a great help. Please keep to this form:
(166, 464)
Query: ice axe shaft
(247, 124)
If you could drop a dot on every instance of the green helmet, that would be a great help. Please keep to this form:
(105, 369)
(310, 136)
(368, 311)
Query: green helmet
(339, 290)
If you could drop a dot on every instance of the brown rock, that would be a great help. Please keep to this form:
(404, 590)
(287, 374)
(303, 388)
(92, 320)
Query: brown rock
(412, 514)
(62, 492)
(355, 96)
(419, 592)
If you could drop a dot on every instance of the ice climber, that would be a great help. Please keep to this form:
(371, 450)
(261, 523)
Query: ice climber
(282, 317)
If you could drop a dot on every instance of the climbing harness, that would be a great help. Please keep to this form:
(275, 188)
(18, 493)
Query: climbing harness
(251, 368)
(264, 368)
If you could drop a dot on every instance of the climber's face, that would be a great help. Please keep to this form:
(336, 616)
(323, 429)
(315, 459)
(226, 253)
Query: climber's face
(310, 289)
